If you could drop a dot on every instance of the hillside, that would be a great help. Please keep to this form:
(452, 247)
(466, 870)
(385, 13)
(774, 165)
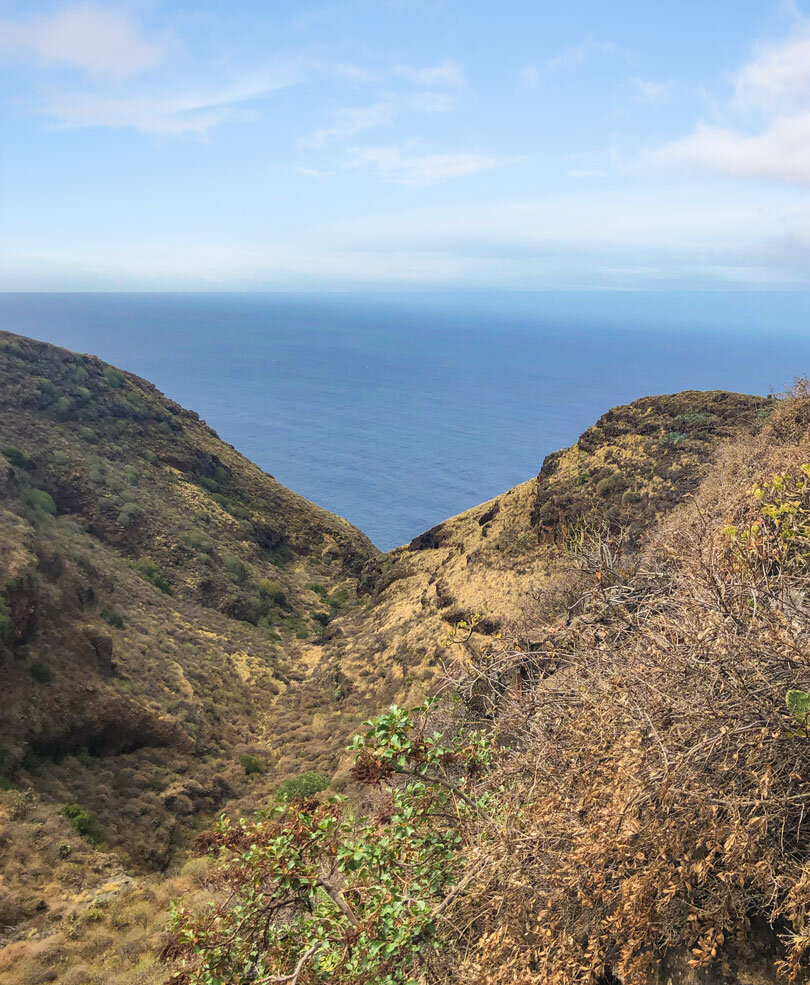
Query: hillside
(180, 633)
(157, 592)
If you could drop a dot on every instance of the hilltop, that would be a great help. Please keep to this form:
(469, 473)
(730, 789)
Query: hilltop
(181, 634)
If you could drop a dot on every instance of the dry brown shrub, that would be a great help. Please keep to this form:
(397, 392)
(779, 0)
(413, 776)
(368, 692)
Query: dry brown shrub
(656, 801)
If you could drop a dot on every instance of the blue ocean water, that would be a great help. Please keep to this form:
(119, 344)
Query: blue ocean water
(398, 410)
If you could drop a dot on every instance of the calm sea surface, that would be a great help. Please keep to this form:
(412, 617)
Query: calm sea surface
(397, 411)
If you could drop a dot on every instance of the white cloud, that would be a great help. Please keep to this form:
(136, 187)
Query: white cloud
(530, 76)
(85, 36)
(777, 79)
(351, 120)
(398, 165)
(193, 113)
(647, 91)
(348, 121)
(576, 55)
(447, 73)
(432, 102)
(780, 152)
(775, 144)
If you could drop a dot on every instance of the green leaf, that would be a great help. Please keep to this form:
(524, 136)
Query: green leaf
(798, 704)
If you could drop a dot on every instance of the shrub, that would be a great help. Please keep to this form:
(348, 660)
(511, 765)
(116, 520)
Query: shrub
(672, 439)
(112, 618)
(149, 571)
(88, 434)
(41, 673)
(42, 500)
(236, 510)
(303, 786)
(199, 541)
(5, 619)
(693, 418)
(305, 878)
(16, 457)
(129, 515)
(610, 485)
(113, 377)
(236, 569)
(251, 765)
(64, 407)
(83, 822)
(272, 590)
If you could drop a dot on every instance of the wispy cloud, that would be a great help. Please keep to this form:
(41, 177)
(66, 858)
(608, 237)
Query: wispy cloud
(398, 164)
(647, 91)
(530, 76)
(85, 36)
(448, 73)
(351, 120)
(348, 121)
(767, 135)
(194, 113)
(576, 55)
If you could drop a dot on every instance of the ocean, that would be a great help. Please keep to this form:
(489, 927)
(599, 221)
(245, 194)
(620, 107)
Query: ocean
(397, 410)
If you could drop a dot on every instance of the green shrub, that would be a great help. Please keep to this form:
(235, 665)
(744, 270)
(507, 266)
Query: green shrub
(319, 590)
(302, 786)
(199, 541)
(272, 591)
(129, 515)
(672, 439)
(692, 418)
(236, 510)
(45, 386)
(210, 484)
(338, 599)
(64, 408)
(112, 618)
(88, 434)
(251, 765)
(236, 569)
(150, 572)
(83, 822)
(5, 619)
(42, 500)
(41, 673)
(16, 457)
(610, 485)
(113, 377)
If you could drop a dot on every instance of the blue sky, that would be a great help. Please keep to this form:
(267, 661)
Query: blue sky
(171, 144)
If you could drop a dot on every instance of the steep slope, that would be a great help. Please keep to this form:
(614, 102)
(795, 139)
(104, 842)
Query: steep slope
(496, 561)
(180, 632)
(156, 590)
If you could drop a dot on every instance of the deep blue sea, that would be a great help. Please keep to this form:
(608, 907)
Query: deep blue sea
(398, 410)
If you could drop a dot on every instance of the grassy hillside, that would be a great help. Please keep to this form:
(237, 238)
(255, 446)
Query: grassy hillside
(179, 633)
(157, 591)
(621, 799)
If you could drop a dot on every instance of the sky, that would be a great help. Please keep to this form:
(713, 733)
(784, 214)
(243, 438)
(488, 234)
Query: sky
(203, 145)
